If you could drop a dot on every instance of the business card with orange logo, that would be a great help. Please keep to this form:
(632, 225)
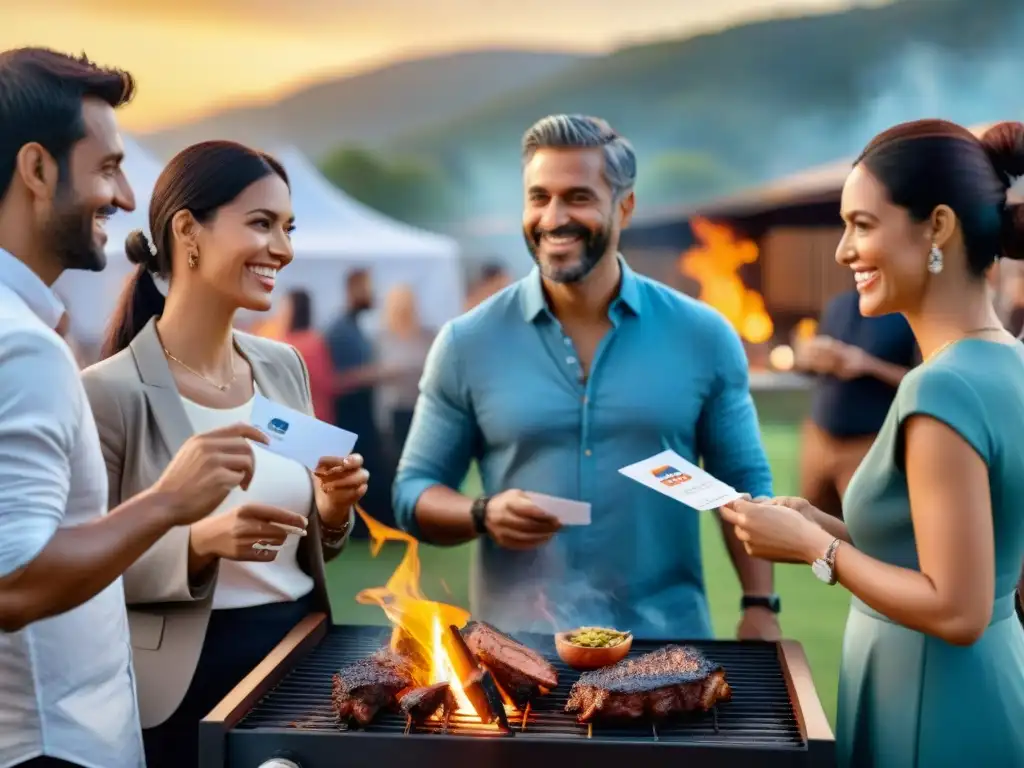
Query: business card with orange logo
(671, 474)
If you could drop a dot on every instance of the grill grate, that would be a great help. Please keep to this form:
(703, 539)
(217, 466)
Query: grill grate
(760, 714)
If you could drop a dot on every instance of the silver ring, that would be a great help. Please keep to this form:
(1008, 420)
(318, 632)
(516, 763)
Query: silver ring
(262, 546)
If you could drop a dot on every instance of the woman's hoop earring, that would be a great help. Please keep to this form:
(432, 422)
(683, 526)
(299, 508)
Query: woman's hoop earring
(193, 260)
(935, 259)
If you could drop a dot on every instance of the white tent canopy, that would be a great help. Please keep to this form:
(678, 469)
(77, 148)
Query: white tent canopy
(335, 234)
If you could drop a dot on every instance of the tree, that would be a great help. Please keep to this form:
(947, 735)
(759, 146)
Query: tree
(683, 177)
(406, 188)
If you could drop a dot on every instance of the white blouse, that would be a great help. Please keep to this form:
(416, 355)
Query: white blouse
(278, 482)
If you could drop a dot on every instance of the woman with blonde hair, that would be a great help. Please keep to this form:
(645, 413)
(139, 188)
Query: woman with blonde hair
(403, 347)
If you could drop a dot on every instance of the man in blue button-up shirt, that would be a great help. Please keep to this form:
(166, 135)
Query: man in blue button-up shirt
(558, 381)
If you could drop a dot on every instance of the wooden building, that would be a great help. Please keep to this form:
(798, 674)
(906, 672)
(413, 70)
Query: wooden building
(796, 225)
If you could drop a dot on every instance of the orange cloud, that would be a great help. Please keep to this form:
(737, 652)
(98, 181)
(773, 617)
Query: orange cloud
(196, 56)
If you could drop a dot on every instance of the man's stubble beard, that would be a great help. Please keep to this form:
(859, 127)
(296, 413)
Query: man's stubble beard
(595, 247)
(70, 234)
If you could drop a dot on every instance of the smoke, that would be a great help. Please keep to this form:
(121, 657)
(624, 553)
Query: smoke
(924, 81)
(561, 597)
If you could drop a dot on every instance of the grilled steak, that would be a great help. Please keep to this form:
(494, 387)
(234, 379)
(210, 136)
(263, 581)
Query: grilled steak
(522, 672)
(671, 680)
(420, 703)
(360, 689)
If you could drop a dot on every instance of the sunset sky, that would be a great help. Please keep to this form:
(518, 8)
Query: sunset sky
(195, 56)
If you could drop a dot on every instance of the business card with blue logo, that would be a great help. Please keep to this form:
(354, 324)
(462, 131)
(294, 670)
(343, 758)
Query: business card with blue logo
(671, 474)
(297, 436)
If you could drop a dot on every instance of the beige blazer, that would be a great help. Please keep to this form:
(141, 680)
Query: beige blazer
(142, 425)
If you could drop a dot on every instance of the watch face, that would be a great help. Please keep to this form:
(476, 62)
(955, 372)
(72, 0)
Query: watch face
(820, 569)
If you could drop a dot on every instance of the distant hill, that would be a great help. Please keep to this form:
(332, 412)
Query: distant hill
(760, 100)
(372, 107)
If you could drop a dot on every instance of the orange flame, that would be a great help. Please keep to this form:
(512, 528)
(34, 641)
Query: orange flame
(714, 262)
(419, 623)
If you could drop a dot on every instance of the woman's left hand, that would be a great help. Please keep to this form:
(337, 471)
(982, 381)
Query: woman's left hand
(340, 483)
(776, 533)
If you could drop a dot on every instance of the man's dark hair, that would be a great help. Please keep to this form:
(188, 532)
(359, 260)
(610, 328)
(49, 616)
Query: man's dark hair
(41, 94)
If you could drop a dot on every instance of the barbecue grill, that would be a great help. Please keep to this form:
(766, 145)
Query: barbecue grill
(280, 716)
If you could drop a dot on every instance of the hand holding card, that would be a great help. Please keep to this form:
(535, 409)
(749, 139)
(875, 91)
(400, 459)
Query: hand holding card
(515, 521)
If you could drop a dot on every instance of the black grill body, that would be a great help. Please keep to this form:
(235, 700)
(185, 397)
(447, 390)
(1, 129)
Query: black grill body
(293, 719)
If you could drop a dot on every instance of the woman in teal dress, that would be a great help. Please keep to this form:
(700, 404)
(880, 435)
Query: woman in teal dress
(933, 657)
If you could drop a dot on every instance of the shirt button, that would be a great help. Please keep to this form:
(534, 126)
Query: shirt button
(584, 399)
(567, 340)
(588, 452)
(570, 360)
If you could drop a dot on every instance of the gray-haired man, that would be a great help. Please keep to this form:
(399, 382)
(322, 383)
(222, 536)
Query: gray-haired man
(554, 384)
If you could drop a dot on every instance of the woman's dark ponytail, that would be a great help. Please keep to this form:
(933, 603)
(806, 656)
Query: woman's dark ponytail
(140, 301)
(200, 179)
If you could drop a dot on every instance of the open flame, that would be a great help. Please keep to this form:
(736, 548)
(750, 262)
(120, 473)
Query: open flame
(419, 623)
(714, 262)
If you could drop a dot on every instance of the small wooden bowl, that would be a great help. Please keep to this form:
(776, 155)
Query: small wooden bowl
(583, 658)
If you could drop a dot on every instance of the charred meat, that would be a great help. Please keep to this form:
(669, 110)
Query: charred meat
(521, 671)
(420, 703)
(669, 681)
(362, 688)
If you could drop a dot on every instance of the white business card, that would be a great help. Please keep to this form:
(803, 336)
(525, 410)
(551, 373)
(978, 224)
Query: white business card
(297, 436)
(671, 474)
(567, 511)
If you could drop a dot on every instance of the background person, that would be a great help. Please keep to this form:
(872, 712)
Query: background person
(858, 363)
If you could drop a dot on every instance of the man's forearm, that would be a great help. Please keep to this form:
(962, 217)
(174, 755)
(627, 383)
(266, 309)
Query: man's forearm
(445, 516)
(757, 577)
(81, 561)
(890, 373)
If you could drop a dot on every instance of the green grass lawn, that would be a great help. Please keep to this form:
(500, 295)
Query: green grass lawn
(812, 613)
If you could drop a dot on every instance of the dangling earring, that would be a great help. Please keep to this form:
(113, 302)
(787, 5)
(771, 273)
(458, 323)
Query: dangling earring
(193, 260)
(935, 259)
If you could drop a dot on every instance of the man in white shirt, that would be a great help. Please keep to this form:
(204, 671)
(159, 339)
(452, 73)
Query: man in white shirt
(67, 696)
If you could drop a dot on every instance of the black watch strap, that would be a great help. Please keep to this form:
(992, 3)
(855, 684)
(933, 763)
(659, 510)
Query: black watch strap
(771, 602)
(479, 512)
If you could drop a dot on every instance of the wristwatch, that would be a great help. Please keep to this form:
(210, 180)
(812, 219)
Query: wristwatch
(479, 513)
(771, 602)
(825, 567)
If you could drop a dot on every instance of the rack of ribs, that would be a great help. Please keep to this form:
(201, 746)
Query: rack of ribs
(520, 671)
(669, 681)
(363, 687)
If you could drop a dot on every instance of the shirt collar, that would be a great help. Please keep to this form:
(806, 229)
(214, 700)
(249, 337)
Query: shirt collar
(39, 297)
(534, 303)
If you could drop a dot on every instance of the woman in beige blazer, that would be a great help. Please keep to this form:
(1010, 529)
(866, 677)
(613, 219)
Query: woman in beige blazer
(209, 601)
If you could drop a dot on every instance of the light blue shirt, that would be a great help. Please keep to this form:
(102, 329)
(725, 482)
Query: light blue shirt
(503, 386)
(66, 683)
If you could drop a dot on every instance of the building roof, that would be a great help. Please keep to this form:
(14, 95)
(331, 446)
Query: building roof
(819, 184)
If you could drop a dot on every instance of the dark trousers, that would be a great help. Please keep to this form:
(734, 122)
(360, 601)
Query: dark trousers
(237, 640)
(48, 762)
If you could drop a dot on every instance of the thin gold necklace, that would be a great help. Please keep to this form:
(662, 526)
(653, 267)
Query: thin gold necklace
(966, 334)
(207, 379)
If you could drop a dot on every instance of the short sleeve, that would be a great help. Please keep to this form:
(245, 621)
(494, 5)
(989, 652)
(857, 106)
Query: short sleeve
(40, 412)
(946, 396)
